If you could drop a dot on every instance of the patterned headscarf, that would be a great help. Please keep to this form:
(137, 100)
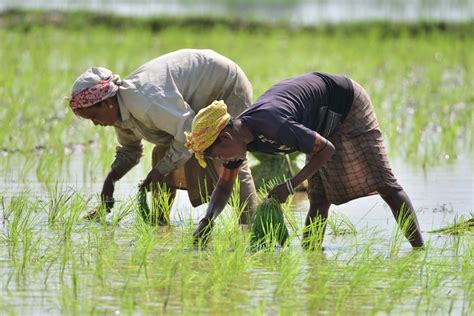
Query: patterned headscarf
(93, 86)
(206, 127)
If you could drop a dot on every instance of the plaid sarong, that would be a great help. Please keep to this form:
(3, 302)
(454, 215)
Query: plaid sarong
(360, 166)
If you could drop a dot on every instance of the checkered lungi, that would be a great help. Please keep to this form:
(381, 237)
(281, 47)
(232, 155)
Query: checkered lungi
(360, 166)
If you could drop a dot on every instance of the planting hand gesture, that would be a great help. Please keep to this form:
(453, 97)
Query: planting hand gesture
(279, 192)
(203, 231)
(106, 198)
(153, 178)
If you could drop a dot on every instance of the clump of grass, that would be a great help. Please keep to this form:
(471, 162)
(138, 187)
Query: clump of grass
(57, 203)
(459, 226)
(313, 234)
(340, 224)
(159, 213)
(269, 224)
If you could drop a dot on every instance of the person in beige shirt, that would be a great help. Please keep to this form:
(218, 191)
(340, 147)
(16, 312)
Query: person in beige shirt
(157, 102)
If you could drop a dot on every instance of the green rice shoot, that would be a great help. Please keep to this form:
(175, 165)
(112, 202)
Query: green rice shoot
(159, 213)
(269, 225)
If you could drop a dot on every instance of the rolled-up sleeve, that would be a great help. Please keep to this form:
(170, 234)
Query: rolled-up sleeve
(128, 154)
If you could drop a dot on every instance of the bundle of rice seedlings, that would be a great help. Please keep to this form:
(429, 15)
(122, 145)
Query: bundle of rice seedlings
(269, 225)
(159, 213)
(458, 227)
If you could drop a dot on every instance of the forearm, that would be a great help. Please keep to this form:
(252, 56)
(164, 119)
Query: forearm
(125, 160)
(316, 161)
(221, 194)
(115, 175)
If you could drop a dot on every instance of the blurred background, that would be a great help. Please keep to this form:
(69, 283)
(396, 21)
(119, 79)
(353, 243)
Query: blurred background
(294, 12)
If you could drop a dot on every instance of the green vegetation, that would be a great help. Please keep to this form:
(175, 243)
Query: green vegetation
(269, 225)
(80, 267)
(460, 226)
(420, 77)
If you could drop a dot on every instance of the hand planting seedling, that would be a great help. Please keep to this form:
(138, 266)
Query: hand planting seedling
(159, 213)
(269, 225)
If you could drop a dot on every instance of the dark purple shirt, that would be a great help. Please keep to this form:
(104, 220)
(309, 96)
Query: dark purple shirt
(285, 118)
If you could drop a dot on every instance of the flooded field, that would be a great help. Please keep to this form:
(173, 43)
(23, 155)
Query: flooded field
(54, 262)
(52, 165)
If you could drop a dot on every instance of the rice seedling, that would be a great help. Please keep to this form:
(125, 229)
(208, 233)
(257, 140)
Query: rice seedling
(269, 225)
(460, 225)
(340, 224)
(57, 203)
(313, 234)
(21, 220)
(159, 213)
(55, 263)
(402, 231)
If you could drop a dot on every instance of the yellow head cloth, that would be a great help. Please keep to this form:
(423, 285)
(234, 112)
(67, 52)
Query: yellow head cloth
(206, 127)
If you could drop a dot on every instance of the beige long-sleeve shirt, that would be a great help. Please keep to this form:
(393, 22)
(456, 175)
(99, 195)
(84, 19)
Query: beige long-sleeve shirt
(159, 100)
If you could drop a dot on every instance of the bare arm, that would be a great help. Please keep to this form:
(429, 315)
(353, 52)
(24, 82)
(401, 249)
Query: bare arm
(219, 199)
(316, 161)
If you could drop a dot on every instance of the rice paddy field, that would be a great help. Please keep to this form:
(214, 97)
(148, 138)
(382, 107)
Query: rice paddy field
(421, 80)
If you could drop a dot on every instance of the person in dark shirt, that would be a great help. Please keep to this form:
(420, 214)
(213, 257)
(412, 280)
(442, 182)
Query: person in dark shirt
(329, 118)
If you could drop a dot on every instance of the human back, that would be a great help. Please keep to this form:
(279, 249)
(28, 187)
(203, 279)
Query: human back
(198, 76)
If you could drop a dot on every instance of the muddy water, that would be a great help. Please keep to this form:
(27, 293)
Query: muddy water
(439, 193)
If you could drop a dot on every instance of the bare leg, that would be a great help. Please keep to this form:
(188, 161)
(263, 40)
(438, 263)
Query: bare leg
(315, 224)
(403, 210)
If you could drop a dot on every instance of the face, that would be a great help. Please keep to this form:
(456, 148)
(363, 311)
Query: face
(228, 149)
(104, 113)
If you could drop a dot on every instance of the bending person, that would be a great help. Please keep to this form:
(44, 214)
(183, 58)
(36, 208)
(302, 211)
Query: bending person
(329, 118)
(157, 103)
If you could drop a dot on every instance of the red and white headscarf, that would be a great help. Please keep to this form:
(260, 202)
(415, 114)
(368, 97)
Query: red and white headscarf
(93, 86)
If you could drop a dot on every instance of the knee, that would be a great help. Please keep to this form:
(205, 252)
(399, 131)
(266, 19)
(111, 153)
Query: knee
(389, 192)
(319, 203)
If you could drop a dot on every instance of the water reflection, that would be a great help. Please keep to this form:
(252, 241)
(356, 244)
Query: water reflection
(439, 193)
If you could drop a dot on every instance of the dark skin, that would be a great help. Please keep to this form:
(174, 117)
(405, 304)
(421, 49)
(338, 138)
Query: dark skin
(232, 146)
(107, 113)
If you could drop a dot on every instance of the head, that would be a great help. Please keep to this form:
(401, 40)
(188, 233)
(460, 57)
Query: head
(93, 96)
(103, 113)
(228, 146)
(213, 135)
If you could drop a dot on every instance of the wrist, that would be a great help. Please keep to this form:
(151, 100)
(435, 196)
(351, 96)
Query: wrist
(206, 220)
(289, 186)
(112, 177)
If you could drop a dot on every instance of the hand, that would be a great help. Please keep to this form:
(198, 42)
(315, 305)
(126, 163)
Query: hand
(96, 213)
(203, 231)
(153, 177)
(107, 194)
(279, 192)
(107, 200)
